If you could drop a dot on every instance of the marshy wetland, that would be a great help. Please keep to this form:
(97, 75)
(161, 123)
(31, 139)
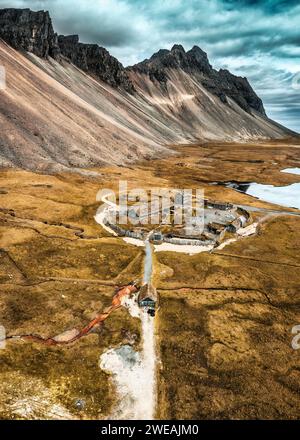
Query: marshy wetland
(223, 330)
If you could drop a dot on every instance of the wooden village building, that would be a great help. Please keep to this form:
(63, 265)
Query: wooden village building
(148, 299)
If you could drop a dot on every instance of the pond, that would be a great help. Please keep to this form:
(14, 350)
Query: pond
(281, 195)
(288, 196)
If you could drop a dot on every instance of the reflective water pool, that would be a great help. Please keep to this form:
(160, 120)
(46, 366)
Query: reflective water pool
(288, 196)
(281, 195)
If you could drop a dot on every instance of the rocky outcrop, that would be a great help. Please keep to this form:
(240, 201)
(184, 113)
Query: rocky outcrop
(33, 32)
(195, 62)
(224, 84)
(30, 31)
(95, 60)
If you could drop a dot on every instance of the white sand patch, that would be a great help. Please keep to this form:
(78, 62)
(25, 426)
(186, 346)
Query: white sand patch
(186, 249)
(134, 241)
(131, 304)
(134, 375)
(226, 242)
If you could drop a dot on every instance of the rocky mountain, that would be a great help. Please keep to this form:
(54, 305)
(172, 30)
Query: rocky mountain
(195, 63)
(96, 61)
(69, 104)
(33, 32)
(30, 31)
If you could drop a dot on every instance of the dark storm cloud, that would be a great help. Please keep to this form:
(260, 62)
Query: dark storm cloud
(259, 39)
(103, 33)
(269, 6)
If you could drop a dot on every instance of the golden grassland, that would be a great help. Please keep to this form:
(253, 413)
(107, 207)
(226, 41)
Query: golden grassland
(58, 270)
(225, 318)
(225, 328)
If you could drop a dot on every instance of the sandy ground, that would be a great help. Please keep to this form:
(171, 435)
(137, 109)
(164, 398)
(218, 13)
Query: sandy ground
(185, 249)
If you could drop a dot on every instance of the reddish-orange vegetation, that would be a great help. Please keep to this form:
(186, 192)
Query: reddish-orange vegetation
(74, 335)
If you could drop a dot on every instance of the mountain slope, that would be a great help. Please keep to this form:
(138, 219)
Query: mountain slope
(45, 125)
(95, 60)
(68, 104)
(205, 104)
(195, 63)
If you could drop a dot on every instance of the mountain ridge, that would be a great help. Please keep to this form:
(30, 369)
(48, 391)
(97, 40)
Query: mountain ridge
(33, 32)
(95, 60)
(69, 104)
(221, 83)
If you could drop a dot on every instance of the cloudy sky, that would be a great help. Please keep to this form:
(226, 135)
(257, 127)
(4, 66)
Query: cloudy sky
(259, 39)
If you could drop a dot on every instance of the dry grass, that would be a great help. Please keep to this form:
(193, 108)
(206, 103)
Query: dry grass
(225, 318)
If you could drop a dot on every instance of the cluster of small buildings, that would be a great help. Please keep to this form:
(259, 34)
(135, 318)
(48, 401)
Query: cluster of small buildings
(219, 218)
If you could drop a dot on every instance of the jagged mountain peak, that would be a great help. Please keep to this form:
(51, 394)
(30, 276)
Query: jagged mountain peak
(178, 48)
(196, 49)
(196, 64)
(177, 57)
(159, 54)
(198, 55)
